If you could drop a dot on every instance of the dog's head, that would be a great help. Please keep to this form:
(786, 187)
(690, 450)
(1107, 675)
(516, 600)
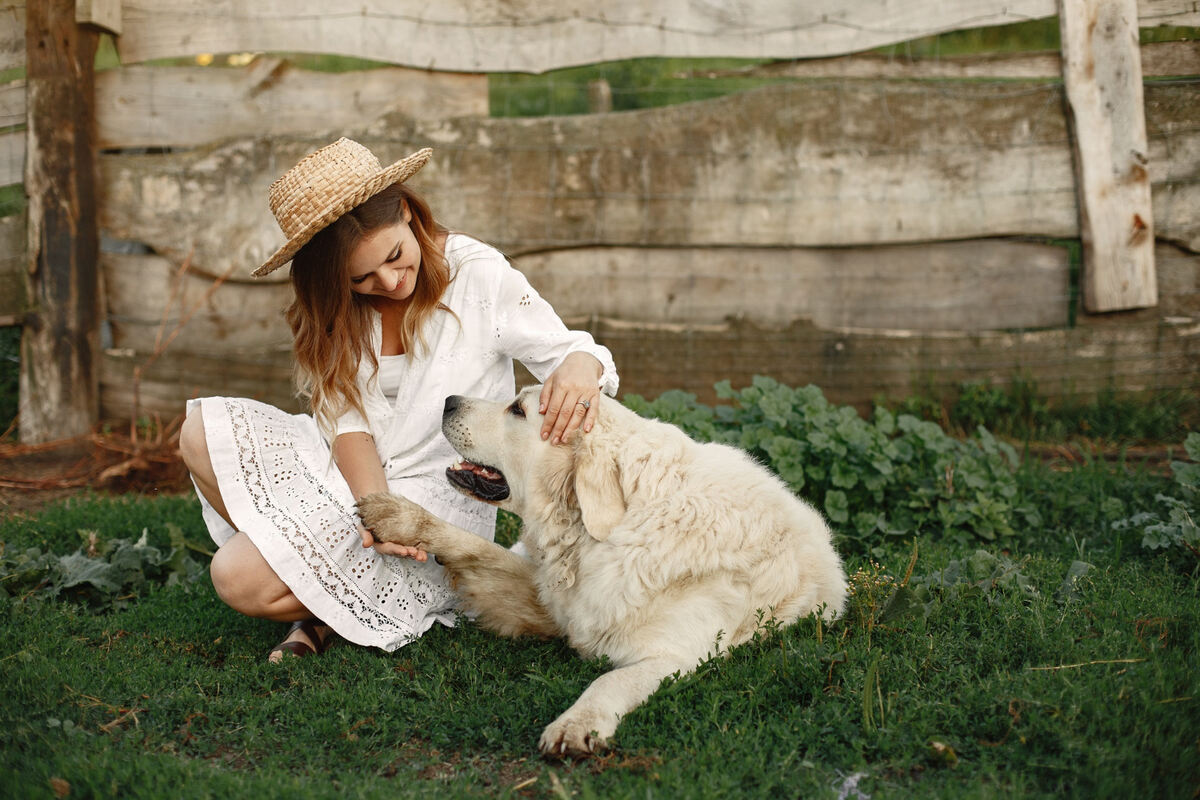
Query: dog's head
(506, 462)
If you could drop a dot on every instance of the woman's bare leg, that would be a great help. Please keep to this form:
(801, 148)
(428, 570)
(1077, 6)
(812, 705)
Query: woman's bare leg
(241, 576)
(246, 582)
(193, 447)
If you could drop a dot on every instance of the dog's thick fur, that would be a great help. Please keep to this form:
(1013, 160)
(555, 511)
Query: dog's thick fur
(643, 546)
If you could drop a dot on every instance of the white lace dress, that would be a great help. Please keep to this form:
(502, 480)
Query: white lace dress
(281, 487)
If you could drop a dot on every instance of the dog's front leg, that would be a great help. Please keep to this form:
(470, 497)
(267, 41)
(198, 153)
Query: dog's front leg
(495, 586)
(585, 727)
(392, 518)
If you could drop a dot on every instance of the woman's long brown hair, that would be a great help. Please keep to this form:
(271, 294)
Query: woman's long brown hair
(331, 324)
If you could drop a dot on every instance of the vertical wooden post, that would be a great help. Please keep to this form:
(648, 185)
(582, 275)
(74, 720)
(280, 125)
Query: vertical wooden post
(1102, 70)
(599, 96)
(59, 383)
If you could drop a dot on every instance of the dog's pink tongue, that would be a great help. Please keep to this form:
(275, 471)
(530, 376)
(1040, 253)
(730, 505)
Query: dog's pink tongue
(482, 472)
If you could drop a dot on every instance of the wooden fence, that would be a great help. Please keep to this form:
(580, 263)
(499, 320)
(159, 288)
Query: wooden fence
(873, 225)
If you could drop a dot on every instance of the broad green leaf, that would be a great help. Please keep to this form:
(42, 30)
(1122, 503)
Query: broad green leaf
(836, 506)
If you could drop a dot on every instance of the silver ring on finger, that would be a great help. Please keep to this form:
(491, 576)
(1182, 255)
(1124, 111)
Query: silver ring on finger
(586, 405)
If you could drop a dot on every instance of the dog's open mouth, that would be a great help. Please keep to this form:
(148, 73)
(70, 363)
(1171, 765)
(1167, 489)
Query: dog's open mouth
(485, 483)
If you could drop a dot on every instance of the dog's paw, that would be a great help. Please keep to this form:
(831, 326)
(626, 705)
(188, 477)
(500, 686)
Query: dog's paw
(392, 519)
(573, 736)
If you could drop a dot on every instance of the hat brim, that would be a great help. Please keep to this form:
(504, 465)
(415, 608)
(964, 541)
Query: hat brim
(354, 196)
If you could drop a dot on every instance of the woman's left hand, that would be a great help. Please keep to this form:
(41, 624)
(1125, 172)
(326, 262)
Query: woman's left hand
(569, 397)
(390, 548)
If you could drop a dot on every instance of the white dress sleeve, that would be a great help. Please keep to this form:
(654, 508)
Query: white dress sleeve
(350, 422)
(531, 332)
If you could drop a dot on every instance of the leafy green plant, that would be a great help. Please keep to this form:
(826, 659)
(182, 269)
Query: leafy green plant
(1174, 524)
(887, 476)
(103, 575)
(979, 574)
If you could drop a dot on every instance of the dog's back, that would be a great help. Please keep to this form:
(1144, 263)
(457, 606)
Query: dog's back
(708, 544)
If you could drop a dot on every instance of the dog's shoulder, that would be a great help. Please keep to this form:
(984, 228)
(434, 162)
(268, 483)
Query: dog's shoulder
(554, 544)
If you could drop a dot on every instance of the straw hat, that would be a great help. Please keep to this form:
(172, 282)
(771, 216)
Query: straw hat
(324, 186)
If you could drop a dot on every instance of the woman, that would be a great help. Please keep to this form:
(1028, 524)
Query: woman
(392, 314)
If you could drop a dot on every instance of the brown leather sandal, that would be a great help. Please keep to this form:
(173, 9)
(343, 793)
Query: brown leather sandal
(299, 649)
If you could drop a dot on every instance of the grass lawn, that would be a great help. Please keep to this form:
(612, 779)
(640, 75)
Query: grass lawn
(1008, 680)
(1016, 628)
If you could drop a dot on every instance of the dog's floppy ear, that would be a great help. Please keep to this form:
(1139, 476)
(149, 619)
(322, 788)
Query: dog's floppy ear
(598, 484)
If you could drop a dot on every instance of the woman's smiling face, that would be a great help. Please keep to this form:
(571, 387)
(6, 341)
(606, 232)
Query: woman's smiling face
(386, 261)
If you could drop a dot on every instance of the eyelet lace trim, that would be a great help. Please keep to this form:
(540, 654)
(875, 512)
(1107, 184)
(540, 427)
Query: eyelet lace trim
(385, 594)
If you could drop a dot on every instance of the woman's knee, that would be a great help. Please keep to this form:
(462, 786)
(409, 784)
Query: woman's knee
(228, 577)
(243, 579)
(193, 446)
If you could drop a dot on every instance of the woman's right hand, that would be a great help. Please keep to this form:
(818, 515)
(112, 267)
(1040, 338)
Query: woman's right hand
(359, 463)
(391, 548)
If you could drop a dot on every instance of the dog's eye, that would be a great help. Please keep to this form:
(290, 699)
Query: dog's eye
(516, 410)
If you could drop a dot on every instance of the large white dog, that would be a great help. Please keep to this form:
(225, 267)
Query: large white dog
(643, 546)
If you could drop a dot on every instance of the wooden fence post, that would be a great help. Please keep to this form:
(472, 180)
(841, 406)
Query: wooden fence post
(1102, 70)
(59, 383)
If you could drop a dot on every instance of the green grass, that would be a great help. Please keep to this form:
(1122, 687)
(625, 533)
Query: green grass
(653, 82)
(12, 199)
(993, 693)
(1020, 409)
(635, 83)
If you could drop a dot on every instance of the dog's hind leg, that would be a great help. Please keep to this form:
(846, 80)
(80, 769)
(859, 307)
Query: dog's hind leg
(585, 727)
(495, 586)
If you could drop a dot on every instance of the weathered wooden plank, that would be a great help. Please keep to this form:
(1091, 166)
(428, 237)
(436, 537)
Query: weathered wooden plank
(1171, 58)
(1178, 282)
(12, 34)
(12, 157)
(963, 286)
(950, 286)
(1174, 163)
(187, 106)
(59, 376)
(1103, 76)
(1168, 12)
(168, 382)
(104, 14)
(810, 165)
(856, 367)
(465, 36)
(147, 300)
(852, 365)
(12, 104)
(13, 302)
(859, 366)
(1152, 349)
(1158, 59)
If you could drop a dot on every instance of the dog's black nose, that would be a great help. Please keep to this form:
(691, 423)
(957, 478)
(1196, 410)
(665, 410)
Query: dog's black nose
(452, 404)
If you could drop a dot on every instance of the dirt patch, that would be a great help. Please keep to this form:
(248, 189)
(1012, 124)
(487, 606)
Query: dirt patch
(51, 468)
(34, 476)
